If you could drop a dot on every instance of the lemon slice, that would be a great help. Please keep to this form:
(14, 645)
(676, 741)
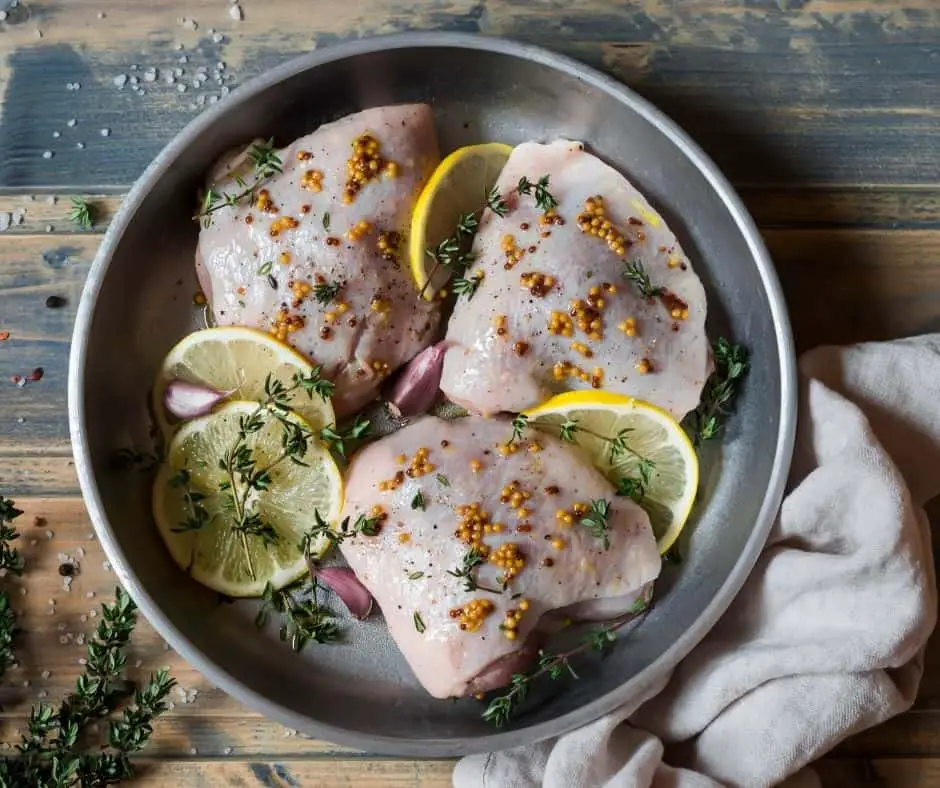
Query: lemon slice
(217, 555)
(236, 359)
(459, 185)
(653, 454)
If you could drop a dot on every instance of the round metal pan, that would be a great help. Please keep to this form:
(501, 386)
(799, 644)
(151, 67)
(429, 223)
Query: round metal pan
(138, 302)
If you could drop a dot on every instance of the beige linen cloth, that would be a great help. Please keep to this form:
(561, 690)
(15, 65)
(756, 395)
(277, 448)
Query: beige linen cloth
(827, 636)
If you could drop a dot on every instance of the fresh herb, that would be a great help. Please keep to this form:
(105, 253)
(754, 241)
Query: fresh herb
(596, 521)
(303, 618)
(415, 575)
(10, 561)
(470, 561)
(616, 446)
(326, 291)
(519, 424)
(419, 623)
(442, 480)
(731, 364)
(496, 203)
(83, 213)
(48, 753)
(543, 198)
(500, 710)
(636, 273)
(466, 285)
(326, 220)
(418, 501)
(276, 393)
(336, 440)
(367, 526)
(450, 253)
(633, 487)
(265, 163)
(197, 516)
(265, 268)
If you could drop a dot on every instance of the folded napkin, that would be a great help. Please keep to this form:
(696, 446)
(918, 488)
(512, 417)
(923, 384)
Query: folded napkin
(827, 636)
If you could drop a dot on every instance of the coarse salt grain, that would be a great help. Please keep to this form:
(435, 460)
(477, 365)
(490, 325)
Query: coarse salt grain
(47, 154)
(105, 132)
(71, 123)
(46, 674)
(138, 663)
(92, 613)
(80, 639)
(56, 134)
(83, 618)
(49, 534)
(120, 80)
(235, 12)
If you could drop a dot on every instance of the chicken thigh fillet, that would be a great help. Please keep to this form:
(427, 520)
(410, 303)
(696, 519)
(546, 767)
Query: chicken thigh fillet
(315, 258)
(442, 488)
(595, 292)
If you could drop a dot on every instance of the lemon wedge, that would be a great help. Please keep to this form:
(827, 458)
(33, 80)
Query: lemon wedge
(458, 186)
(192, 502)
(640, 448)
(236, 359)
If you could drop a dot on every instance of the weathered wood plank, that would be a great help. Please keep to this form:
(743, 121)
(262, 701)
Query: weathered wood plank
(830, 92)
(883, 772)
(827, 207)
(50, 213)
(335, 773)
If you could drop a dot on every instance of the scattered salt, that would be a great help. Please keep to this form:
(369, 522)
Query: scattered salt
(47, 154)
(120, 80)
(46, 674)
(71, 123)
(56, 134)
(6, 220)
(105, 132)
(80, 145)
(235, 12)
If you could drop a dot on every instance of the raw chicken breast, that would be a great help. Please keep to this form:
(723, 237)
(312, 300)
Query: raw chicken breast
(421, 481)
(554, 311)
(258, 263)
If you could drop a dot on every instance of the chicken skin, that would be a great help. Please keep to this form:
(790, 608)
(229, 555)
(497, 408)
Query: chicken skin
(316, 258)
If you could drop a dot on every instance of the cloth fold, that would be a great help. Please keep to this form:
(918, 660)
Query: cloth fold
(827, 636)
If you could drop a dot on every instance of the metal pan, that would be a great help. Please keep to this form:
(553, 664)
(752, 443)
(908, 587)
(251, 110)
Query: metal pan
(137, 304)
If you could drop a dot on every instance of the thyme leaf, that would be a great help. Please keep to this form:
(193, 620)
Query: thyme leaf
(636, 273)
(596, 521)
(721, 391)
(265, 163)
(83, 213)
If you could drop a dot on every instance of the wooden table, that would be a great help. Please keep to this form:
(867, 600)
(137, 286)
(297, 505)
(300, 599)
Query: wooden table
(823, 113)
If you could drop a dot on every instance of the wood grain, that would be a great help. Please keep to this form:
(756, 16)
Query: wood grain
(778, 93)
(823, 114)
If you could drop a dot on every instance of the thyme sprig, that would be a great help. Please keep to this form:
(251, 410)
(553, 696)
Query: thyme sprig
(596, 521)
(367, 526)
(326, 292)
(500, 709)
(721, 390)
(303, 617)
(470, 561)
(467, 286)
(544, 199)
(12, 562)
(454, 251)
(48, 752)
(83, 213)
(265, 163)
(337, 439)
(636, 273)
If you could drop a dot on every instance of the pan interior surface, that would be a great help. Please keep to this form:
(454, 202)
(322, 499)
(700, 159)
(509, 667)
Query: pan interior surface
(139, 303)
